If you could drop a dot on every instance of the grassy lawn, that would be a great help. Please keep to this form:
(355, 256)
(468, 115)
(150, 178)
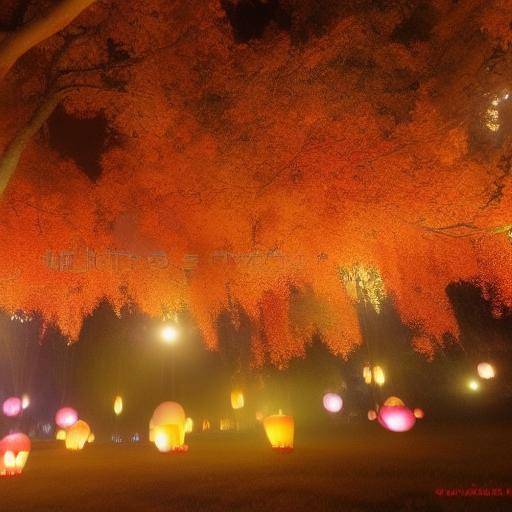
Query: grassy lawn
(353, 469)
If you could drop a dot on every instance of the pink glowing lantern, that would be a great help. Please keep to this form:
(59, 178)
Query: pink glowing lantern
(419, 413)
(332, 402)
(12, 406)
(396, 418)
(66, 417)
(14, 452)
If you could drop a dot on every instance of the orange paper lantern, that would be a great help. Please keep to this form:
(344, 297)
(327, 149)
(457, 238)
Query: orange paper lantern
(280, 430)
(77, 435)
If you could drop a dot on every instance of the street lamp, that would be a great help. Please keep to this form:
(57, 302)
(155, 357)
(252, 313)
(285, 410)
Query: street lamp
(169, 334)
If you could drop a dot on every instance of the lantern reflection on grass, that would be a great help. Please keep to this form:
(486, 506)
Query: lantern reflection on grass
(14, 452)
(279, 429)
(77, 435)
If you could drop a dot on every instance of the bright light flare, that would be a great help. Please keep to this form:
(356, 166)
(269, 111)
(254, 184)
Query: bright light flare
(473, 385)
(486, 371)
(169, 334)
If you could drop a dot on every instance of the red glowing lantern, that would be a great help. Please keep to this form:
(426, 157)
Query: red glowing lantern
(396, 418)
(12, 406)
(14, 452)
(66, 417)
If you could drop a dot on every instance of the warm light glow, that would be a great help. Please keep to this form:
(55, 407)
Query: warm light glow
(396, 418)
(332, 402)
(418, 413)
(77, 435)
(280, 431)
(473, 385)
(91, 438)
(14, 452)
(486, 371)
(237, 399)
(372, 415)
(118, 405)
(189, 425)
(378, 376)
(206, 425)
(367, 374)
(393, 400)
(170, 334)
(226, 424)
(168, 438)
(25, 401)
(12, 407)
(66, 417)
(167, 427)
(60, 435)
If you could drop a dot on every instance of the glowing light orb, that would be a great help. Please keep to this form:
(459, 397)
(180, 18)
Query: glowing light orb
(419, 413)
(486, 371)
(372, 415)
(12, 407)
(280, 430)
(77, 435)
(14, 452)
(332, 402)
(237, 399)
(396, 418)
(473, 385)
(170, 334)
(25, 401)
(66, 417)
(118, 405)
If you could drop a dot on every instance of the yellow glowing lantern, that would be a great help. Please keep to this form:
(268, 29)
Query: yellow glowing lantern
(118, 405)
(237, 399)
(367, 374)
(280, 431)
(206, 425)
(393, 401)
(189, 425)
(77, 435)
(486, 371)
(226, 424)
(473, 385)
(60, 435)
(167, 427)
(378, 376)
(91, 438)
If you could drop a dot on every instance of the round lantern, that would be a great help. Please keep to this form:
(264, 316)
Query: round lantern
(168, 424)
(396, 418)
(237, 399)
(12, 406)
(372, 415)
(332, 402)
(66, 417)
(486, 371)
(418, 413)
(77, 435)
(280, 431)
(14, 452)
(118, 405)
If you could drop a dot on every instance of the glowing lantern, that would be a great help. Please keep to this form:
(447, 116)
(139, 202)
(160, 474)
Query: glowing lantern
(237, 399)
(91, 438)
(372, 415)
(170, 334)
(378, 376)
(486, 371)
(332, 402)
(189, 425)
(226, 424)
(393, 401)
(60, 435)
(473, 385)
(25, 401)
(280, 431)
(206, 425)
(418, 413)
(77, 435)
(14, 452)
(12, 406)
(167, 427)
(66, 417)
(118, 405)
(397, 418)
(367, 374)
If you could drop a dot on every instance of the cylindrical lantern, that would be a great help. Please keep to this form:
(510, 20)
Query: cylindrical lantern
(14, 452)
(91, 438)
(486, 371)
(118, 405)
(378, 376)
(206, 425)
(12, 406)
(168, 422)
(280, 431)
(66, 417)
(189, 425)
(396, 418)
(237, 399)
(367, 374)
(77, 435)
(332, 402)
(25, 401)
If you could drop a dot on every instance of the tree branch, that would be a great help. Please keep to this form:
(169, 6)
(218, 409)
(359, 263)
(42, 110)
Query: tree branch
(15, 44)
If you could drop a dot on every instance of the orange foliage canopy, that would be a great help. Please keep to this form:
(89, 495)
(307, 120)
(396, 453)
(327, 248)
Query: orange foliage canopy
(348, 140)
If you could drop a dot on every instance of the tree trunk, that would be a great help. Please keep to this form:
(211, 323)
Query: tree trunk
(11, 157)
(14, 45)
